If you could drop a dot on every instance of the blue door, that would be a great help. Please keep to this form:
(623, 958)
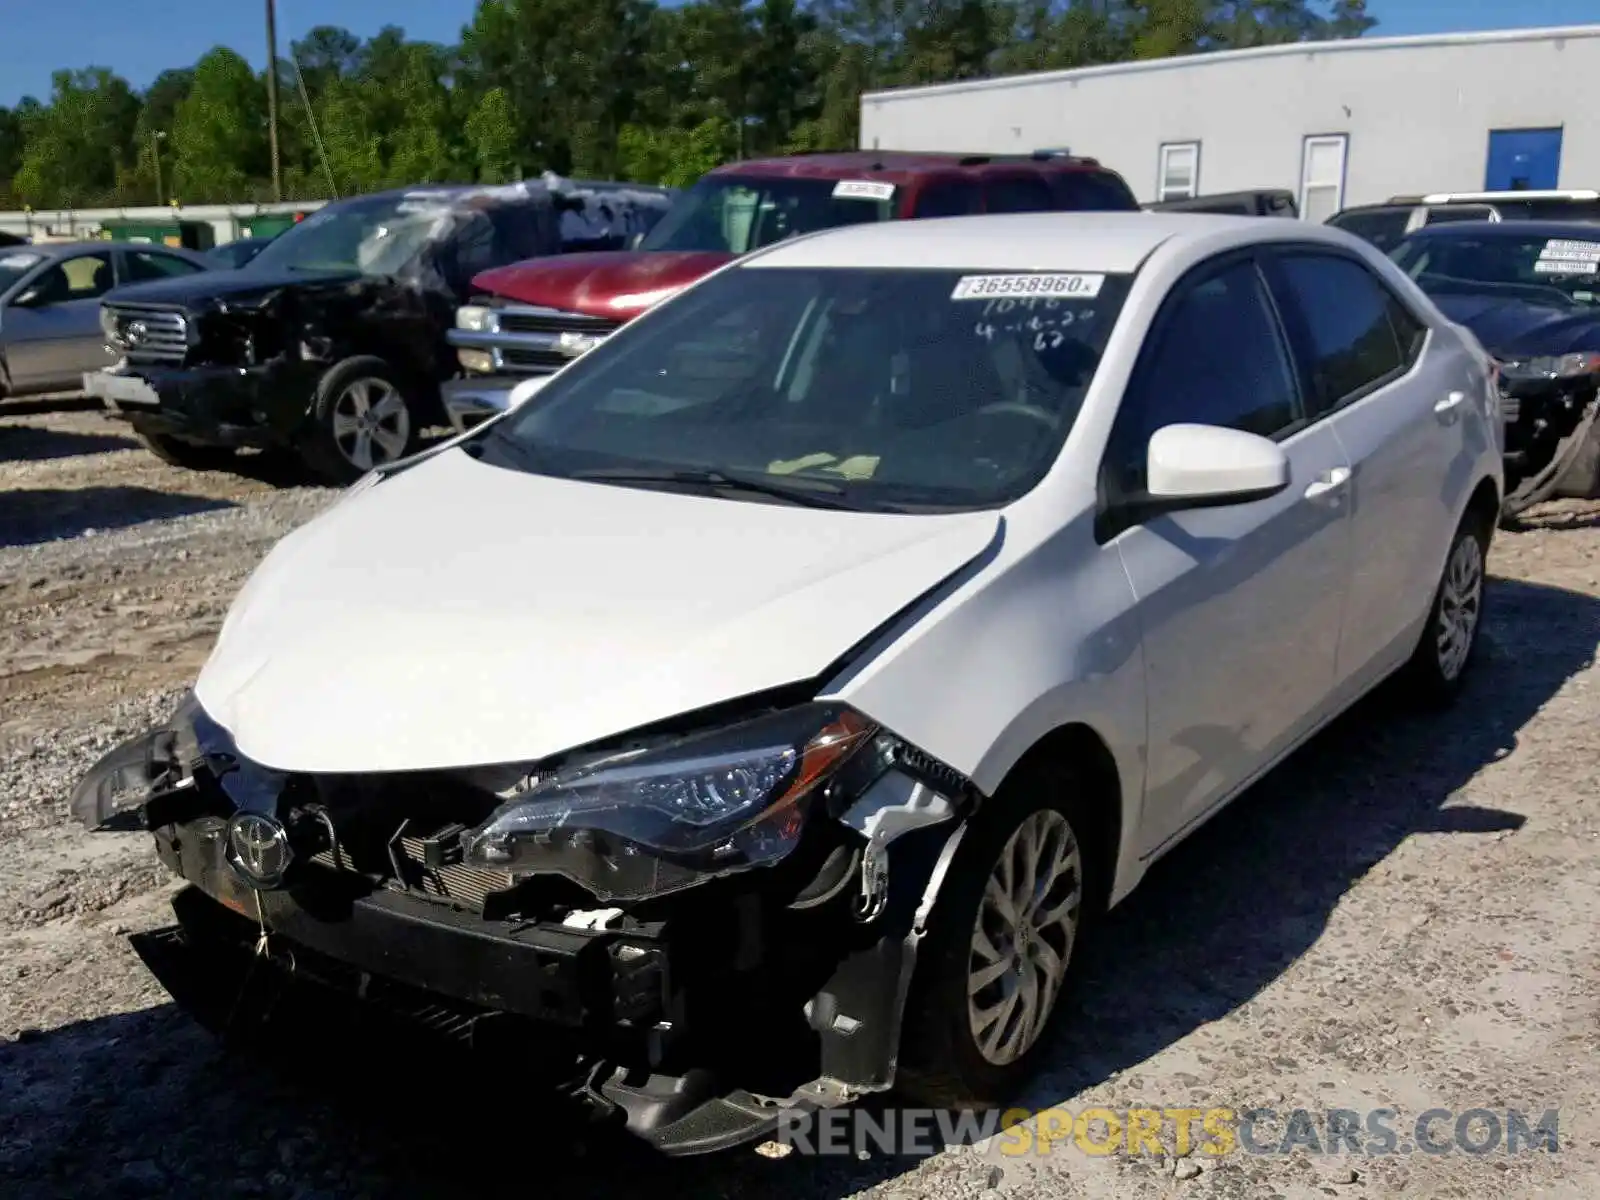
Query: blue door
(1523, 160)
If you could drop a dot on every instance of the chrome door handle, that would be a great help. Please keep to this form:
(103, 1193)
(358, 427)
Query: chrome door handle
(1445, 409)
(1328, 482)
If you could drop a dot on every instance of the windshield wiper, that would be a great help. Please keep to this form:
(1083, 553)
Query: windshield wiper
(813, 493)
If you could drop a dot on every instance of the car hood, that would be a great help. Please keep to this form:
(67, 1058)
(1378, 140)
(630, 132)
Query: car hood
(244, 286)
(1512, 329)
(459, 614)
(616, 284)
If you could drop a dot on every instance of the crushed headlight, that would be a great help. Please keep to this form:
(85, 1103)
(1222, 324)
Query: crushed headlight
(652, 821)
(130, 774)
(1550, 366)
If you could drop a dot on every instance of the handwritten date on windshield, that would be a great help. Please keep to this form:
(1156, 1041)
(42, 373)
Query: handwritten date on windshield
(1046, 321)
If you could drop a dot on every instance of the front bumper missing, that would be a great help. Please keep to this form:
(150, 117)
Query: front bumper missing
(600, 1010)
(235, 407)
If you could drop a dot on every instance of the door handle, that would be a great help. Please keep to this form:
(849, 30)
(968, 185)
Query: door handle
(1445, 409)
(1327, 483)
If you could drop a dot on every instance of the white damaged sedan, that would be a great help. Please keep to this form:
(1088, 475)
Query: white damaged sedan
(831, 645)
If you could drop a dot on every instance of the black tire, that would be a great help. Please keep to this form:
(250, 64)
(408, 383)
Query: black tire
(1433, 677)
(332, 455)
(189, 455)
(941, 1063)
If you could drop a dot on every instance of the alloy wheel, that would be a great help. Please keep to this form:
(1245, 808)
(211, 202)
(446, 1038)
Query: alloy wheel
(1460, 605)
(371, 424)
(1023, 937)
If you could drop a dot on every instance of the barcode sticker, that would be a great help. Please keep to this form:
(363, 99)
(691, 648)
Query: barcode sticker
(863, 189)
(1023, 287)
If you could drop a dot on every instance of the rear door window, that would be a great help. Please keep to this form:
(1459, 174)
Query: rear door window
(1017, 194)
(948, 198)
(142, 266)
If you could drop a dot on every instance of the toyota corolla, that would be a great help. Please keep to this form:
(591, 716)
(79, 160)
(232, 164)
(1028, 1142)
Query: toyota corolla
(831, 647)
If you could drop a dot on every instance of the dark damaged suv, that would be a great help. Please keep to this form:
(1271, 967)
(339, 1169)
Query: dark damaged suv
(331, 341)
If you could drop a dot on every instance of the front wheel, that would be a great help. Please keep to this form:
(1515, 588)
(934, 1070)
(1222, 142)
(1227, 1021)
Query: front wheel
(1439, 664)
(999, 949)
(363, 417)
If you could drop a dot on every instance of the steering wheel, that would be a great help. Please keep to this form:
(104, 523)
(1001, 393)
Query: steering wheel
(1017, 408)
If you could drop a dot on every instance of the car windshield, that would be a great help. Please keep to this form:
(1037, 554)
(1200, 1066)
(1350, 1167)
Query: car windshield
(376, 236)
(886, 390)
(1537, 267)
(735, 215)
(14, 264)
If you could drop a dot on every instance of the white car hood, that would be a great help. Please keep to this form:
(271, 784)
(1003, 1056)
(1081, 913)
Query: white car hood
(460, 614)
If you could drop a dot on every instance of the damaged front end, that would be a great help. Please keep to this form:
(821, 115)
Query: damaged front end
(703, 926)
(1549, 405)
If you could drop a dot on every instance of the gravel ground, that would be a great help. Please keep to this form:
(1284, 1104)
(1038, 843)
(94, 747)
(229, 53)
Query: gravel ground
(1401, 917)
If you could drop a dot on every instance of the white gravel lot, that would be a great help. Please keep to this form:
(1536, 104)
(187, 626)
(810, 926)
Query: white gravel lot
(1403, 916)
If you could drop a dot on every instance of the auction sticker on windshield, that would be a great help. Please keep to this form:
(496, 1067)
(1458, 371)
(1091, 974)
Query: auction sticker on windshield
(1565, 256)
(863, 189)
(1022, 287)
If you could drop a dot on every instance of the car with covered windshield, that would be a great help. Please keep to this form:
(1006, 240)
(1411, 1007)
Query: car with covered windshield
(330, 341)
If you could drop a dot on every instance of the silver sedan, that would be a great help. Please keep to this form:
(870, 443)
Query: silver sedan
(50, 306)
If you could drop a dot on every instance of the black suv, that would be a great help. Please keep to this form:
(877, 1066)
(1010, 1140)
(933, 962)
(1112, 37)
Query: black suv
(331, 341)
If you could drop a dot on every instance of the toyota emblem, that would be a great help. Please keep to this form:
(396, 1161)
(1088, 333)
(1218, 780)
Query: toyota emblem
(258, 847)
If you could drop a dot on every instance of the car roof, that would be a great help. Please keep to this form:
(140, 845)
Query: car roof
(1587, 231)
(1109, 242)
(898, 166)
(63, 249)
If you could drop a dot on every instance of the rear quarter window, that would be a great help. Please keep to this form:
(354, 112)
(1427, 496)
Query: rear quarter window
(1095, 190)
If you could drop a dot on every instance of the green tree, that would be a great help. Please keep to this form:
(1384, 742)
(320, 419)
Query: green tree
(219, 143)
(76, 146)
(490, 128)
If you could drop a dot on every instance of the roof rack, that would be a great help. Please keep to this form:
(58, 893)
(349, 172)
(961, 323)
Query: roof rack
(1525, 194)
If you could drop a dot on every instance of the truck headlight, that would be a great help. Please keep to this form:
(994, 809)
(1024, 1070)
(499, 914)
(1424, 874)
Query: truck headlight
(647, 822)
(108, 323)
(477, 362)
(1551, 366)
(477, 318)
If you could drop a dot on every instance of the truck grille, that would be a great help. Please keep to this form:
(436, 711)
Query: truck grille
(148, 335)
(528, 319)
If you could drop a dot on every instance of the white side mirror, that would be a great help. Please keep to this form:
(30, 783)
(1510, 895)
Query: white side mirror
(1213, 465)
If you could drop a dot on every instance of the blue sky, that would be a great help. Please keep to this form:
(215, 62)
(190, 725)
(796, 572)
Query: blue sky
(140, 40)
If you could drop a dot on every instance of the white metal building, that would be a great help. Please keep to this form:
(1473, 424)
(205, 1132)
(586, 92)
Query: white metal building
(1337, 123)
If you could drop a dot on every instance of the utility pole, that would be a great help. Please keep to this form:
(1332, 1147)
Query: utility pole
(156, 138)
(272, 97)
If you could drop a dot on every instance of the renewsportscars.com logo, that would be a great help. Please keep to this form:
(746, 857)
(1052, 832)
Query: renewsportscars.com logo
(1179, 1132)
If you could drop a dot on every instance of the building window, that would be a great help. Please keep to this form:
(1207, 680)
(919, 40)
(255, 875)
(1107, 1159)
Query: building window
(1179, 177)
(1322, 176)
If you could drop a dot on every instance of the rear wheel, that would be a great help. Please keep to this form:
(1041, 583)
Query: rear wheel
(1439, 665)
(1000, 946)
(363, 417)
(179, 453)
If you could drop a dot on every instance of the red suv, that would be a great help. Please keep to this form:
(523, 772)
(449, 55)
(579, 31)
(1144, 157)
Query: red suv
(534, 317)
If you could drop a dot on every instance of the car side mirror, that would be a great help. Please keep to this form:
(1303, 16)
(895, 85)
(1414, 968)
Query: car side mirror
(1190, 466)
